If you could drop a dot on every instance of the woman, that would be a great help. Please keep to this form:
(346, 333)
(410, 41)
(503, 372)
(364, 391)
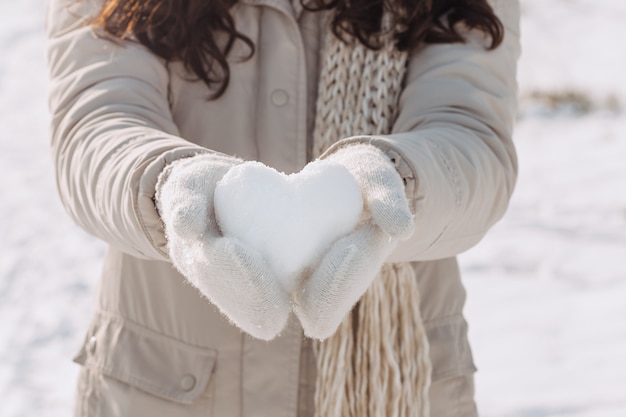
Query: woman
(154, 101)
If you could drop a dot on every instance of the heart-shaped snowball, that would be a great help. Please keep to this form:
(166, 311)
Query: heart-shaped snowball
(290, 219)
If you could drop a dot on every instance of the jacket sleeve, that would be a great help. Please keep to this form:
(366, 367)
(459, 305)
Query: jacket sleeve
(452, 139)
(112, 130)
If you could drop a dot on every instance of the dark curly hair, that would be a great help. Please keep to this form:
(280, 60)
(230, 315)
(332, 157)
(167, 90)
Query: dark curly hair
(176, 30)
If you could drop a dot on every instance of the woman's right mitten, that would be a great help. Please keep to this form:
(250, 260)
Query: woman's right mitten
(232, 276)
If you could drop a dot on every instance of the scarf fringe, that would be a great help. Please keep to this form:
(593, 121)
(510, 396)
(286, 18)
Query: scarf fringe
(377, 363)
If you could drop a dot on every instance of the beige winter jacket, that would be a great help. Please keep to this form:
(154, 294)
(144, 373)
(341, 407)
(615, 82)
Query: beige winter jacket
(119, 115)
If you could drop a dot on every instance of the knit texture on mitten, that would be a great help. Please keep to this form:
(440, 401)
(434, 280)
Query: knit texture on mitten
(377, 363)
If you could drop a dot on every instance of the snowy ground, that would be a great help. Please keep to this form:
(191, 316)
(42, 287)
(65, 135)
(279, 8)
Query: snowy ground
(547, 287)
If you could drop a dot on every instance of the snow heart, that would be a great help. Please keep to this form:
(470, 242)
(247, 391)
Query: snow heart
(290, 219)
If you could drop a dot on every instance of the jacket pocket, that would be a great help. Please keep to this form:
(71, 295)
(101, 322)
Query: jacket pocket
(117, 351)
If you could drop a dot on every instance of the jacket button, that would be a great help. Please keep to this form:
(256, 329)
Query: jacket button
(91, 344)
(279, 98)
(187, 383)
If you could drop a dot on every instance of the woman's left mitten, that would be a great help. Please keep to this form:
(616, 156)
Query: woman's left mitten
(348, 268)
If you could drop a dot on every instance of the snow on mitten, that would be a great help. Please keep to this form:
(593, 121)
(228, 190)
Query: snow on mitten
(352, 262)
(232, 276)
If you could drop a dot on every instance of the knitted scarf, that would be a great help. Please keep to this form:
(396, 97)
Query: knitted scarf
(377, 363)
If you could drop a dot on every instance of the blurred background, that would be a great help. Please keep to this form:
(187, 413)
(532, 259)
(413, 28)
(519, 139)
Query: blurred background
(546, 287)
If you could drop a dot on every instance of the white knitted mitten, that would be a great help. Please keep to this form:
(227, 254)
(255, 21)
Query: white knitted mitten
(348, 268)
(233, 277)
